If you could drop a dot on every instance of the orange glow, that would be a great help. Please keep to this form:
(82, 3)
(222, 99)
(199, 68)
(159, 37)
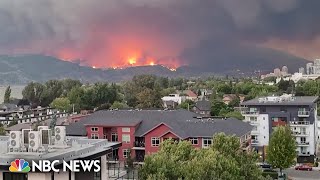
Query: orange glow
(132, 60)
(151, 64)
(94, 67)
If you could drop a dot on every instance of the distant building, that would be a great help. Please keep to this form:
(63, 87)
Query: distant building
(309, 68)
(301, 70)
(277, 72)
(170, 104)
(24, 114)
(202, 107)
(190, 95)
(284, 71)
(298, 112)
(174, 97)
(227, 98)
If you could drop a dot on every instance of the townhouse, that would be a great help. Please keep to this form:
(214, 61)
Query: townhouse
(142, 131)
(299, 112)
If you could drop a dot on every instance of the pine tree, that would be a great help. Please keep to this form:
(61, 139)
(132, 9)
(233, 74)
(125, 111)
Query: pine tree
(7, 95)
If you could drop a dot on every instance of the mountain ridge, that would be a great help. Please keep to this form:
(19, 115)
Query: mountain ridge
(22, 69)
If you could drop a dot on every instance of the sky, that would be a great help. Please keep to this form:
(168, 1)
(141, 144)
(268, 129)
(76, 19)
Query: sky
(113, 33)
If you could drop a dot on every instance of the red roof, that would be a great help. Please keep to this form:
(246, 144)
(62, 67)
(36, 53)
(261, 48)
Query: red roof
(190, 93)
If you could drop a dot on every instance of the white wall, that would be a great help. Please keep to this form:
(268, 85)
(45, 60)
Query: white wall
(263, 128)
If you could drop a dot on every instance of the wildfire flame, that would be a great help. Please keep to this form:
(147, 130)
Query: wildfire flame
(131, 59)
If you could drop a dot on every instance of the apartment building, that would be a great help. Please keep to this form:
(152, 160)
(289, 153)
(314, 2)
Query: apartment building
(299, 112)
(31, 145)
(142, 131)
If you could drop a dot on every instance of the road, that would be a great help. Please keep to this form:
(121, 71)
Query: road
(303, 175)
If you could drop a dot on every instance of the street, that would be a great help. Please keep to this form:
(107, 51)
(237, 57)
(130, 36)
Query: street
(303, 175)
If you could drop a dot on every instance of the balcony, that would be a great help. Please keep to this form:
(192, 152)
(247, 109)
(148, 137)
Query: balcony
(250, 112)
(252, 122)
(303, 113)
(295, 133)
(299, 123)
(303, 153)
(254, 142)
(139, 145)
(303, 143)
(278, 123)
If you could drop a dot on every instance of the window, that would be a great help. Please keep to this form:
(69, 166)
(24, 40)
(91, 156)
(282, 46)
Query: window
(155, 142)
(126, 129)
(303, 140)
(126, 153)
(94, 136)
(253, 119)
(94, 129)
(206, 142)
(114, 137)
(126, 138)
(194, 141)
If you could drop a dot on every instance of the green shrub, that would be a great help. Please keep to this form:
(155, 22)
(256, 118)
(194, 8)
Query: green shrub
(274, 174)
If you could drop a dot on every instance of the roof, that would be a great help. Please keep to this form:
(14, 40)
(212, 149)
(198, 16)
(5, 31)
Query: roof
(190, 93)
(9, 107)
(18, 127)
(77, 148)
(181, 122)
(294, 101)
(203, 105)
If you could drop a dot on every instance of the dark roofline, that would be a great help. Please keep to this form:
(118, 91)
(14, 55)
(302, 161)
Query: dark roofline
(170, 131)
(114, 125)
(155, 127)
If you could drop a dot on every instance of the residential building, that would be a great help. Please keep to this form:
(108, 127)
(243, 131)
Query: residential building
(277, 72)
(190, 95)
(170, 104)
(227, 98)
(24, 114)
(284, 71)
(298, 112)
(301, 70)
(174, 97)
(142, 131)
(202, 107)
(62, 149)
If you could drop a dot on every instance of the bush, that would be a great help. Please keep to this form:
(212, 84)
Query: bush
(273, 174)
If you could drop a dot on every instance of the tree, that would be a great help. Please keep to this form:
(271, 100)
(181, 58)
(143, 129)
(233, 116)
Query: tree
(216, 107)
(224, 160)
(62, 104)
(33, 92)
(118, 105)
(234, 114)
(281, 152)
(7, 95)
(187, 104)
(2, 131)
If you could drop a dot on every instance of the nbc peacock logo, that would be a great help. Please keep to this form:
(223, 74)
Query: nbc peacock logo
(19, 165)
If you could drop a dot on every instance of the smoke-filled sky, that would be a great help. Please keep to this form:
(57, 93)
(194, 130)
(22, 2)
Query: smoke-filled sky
(109, 33)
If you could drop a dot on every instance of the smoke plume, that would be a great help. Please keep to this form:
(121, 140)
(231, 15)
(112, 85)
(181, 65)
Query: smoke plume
(118, 33)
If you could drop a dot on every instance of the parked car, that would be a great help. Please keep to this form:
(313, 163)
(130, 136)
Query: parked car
(303, 168)
(265, 166)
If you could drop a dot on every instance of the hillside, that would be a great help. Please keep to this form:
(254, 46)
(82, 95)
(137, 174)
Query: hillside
(204, 62)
